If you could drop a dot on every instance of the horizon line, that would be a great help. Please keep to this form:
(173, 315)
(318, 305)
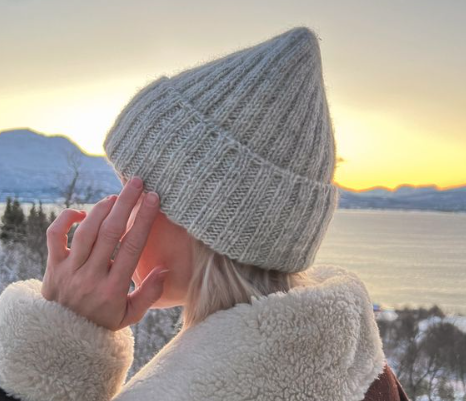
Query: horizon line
(437, 187)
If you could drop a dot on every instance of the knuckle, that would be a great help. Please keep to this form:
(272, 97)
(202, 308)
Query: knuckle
(110, 232)
(52, 231)
(64, 211)
(67, 211)
(132, 247)
(110, 236)
(103, 203)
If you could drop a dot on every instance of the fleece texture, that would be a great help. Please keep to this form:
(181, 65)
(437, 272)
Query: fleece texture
(50, 353)
(311, 343)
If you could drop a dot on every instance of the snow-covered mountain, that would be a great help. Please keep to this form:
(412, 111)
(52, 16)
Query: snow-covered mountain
(406, 197)
(35, 166)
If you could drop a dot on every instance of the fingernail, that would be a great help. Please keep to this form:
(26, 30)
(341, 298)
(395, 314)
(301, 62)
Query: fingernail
(136, 182)
(152, 198)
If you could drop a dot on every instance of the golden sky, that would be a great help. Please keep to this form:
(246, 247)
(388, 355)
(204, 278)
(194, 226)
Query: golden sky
(395, 71)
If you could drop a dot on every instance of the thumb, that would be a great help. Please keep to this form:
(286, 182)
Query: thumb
(142, 298)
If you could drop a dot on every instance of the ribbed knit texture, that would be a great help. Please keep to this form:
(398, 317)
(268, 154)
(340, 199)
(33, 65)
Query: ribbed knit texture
(240, 150)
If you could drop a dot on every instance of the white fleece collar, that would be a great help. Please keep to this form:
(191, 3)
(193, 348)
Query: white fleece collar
(313, 343)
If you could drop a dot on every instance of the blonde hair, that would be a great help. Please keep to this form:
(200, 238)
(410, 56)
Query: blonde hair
(218, 282)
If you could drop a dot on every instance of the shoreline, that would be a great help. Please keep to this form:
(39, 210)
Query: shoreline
(338, 209)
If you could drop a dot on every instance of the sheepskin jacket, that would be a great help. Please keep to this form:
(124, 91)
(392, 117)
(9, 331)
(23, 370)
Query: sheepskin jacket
(311, 343)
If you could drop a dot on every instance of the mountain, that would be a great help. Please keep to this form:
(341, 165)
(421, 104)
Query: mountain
(35, 166)
(406, 197)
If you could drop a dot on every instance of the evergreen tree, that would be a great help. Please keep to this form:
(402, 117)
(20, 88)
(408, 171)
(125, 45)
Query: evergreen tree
(13, 222)
(6, 228)
(36, 238)
(31, 220)
(42, 224)
(42, 218)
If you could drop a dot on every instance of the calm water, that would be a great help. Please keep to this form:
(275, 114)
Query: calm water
(404, 257)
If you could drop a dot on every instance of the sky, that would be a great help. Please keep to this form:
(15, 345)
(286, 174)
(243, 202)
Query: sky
(394, 71)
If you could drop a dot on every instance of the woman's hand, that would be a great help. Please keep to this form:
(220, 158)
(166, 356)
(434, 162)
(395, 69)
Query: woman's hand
(84, 278)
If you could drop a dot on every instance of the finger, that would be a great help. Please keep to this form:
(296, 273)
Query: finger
(142, 298)
(135, 240)
(114, 226)
(86, 234)
(57, 234)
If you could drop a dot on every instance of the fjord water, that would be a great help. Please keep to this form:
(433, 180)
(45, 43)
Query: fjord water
(412, 258)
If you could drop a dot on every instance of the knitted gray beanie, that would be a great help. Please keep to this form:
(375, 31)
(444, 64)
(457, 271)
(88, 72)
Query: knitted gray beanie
(240, 150)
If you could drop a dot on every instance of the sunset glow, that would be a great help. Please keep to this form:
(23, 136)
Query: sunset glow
(396, 87)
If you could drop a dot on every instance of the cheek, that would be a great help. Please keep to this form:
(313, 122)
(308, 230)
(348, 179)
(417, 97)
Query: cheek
(141, 271)
(151, 256)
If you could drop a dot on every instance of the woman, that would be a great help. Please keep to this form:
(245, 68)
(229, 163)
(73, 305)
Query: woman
(228, 170)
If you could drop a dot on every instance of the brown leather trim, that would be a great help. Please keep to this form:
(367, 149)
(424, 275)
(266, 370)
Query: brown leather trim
(386, 388)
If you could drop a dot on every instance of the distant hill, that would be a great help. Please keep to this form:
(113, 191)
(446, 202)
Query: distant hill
(406, 197)
(34, 166)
